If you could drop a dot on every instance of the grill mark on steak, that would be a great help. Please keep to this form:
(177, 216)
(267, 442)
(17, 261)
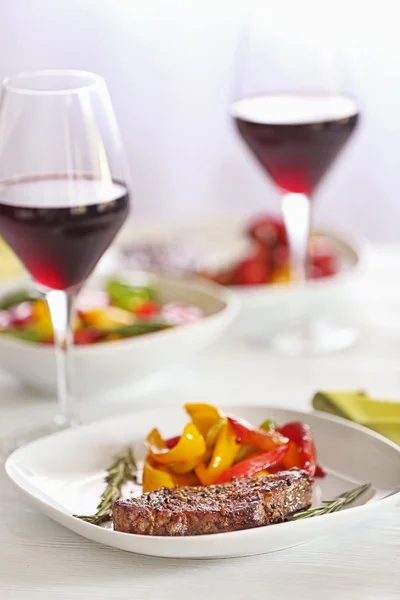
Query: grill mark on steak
(240, 504)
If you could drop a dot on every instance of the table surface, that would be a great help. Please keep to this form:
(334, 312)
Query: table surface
(39, 559)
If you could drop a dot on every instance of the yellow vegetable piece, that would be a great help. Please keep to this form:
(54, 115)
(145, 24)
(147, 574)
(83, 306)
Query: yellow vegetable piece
(281, 274)
(191, 446)
(107, 317)
(204, 416)
(224, 454)
(261, 474)
(184, 467)
(42, 321)
(41, 318)
(113, 337)
(40, 311)
(188, 479)
(154, 479)
(213, 432)
(155, 441)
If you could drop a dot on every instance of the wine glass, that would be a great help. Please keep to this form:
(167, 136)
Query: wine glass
(63, 193)
(293, 108)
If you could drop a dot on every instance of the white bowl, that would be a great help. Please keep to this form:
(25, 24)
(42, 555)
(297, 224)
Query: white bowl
(273, 306)
(109, 366)
(266, 308)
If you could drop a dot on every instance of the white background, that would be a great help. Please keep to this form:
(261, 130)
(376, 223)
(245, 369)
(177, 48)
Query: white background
(168, 64)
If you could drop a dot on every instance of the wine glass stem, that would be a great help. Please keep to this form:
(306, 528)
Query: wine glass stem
(296, 211)
(61, 306)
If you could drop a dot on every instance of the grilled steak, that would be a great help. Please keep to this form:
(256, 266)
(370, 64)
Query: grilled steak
(240, 504)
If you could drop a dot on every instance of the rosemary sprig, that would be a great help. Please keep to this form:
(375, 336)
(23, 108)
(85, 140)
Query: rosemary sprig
(122, 470)
(330, 506)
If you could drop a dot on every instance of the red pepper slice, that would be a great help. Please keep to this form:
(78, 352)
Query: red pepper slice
(319, 471)
(171, 442)
(255, 464)
(258, 438)
(147, 310)
(301, 435)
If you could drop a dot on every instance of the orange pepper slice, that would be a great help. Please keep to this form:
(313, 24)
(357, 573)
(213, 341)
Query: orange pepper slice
(204, 416)
(154, 479)
(187, 479)
(191, 446)
(224, 454)
(293, 457)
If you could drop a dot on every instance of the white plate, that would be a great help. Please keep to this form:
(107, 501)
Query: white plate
(62, 475)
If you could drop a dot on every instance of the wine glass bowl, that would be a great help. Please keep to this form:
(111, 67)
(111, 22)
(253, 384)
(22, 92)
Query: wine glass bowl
(296, 136)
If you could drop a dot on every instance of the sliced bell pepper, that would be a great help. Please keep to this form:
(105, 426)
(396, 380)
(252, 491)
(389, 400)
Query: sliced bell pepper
(156, 478)
(147, 310)
(171, 442)
(191, 446)
(204, 416)
(258, 438)
(182, 468)
(40, 311)
(186, 479)
(224, 453)
(293, 457)
(106, 318)
(254, 464)
(301, 435)
(213, 432)
(86, 336)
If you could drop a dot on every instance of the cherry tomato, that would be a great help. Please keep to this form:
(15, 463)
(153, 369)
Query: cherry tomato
(251, 272)
(147, 310)
(322, 256)
(268, 231)
(85, 336)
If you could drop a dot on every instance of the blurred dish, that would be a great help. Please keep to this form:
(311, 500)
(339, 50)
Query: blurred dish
(116, 312)
(221, 243)
(104, 367)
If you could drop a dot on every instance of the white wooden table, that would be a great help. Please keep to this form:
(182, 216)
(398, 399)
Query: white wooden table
(41, 560)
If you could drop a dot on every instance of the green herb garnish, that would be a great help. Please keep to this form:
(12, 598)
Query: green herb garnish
(122, 470)
(330, 506)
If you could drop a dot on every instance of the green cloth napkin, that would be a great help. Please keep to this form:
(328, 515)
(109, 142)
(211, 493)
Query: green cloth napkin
(380, 415)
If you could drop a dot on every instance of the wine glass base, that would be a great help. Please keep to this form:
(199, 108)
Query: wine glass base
(8, 445)
(317, 340)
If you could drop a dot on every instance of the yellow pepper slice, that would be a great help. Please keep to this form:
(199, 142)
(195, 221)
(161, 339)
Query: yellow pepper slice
(224, 454)
(178, 468)
(41, 318)
(213, 432)
(40, 311)
(191, 446)
(204, 416)
(107, 317)
(154, 479)
(187, 479)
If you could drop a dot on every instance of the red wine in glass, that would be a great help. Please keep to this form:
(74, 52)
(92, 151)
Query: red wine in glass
(296, 136)
(60, 227)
